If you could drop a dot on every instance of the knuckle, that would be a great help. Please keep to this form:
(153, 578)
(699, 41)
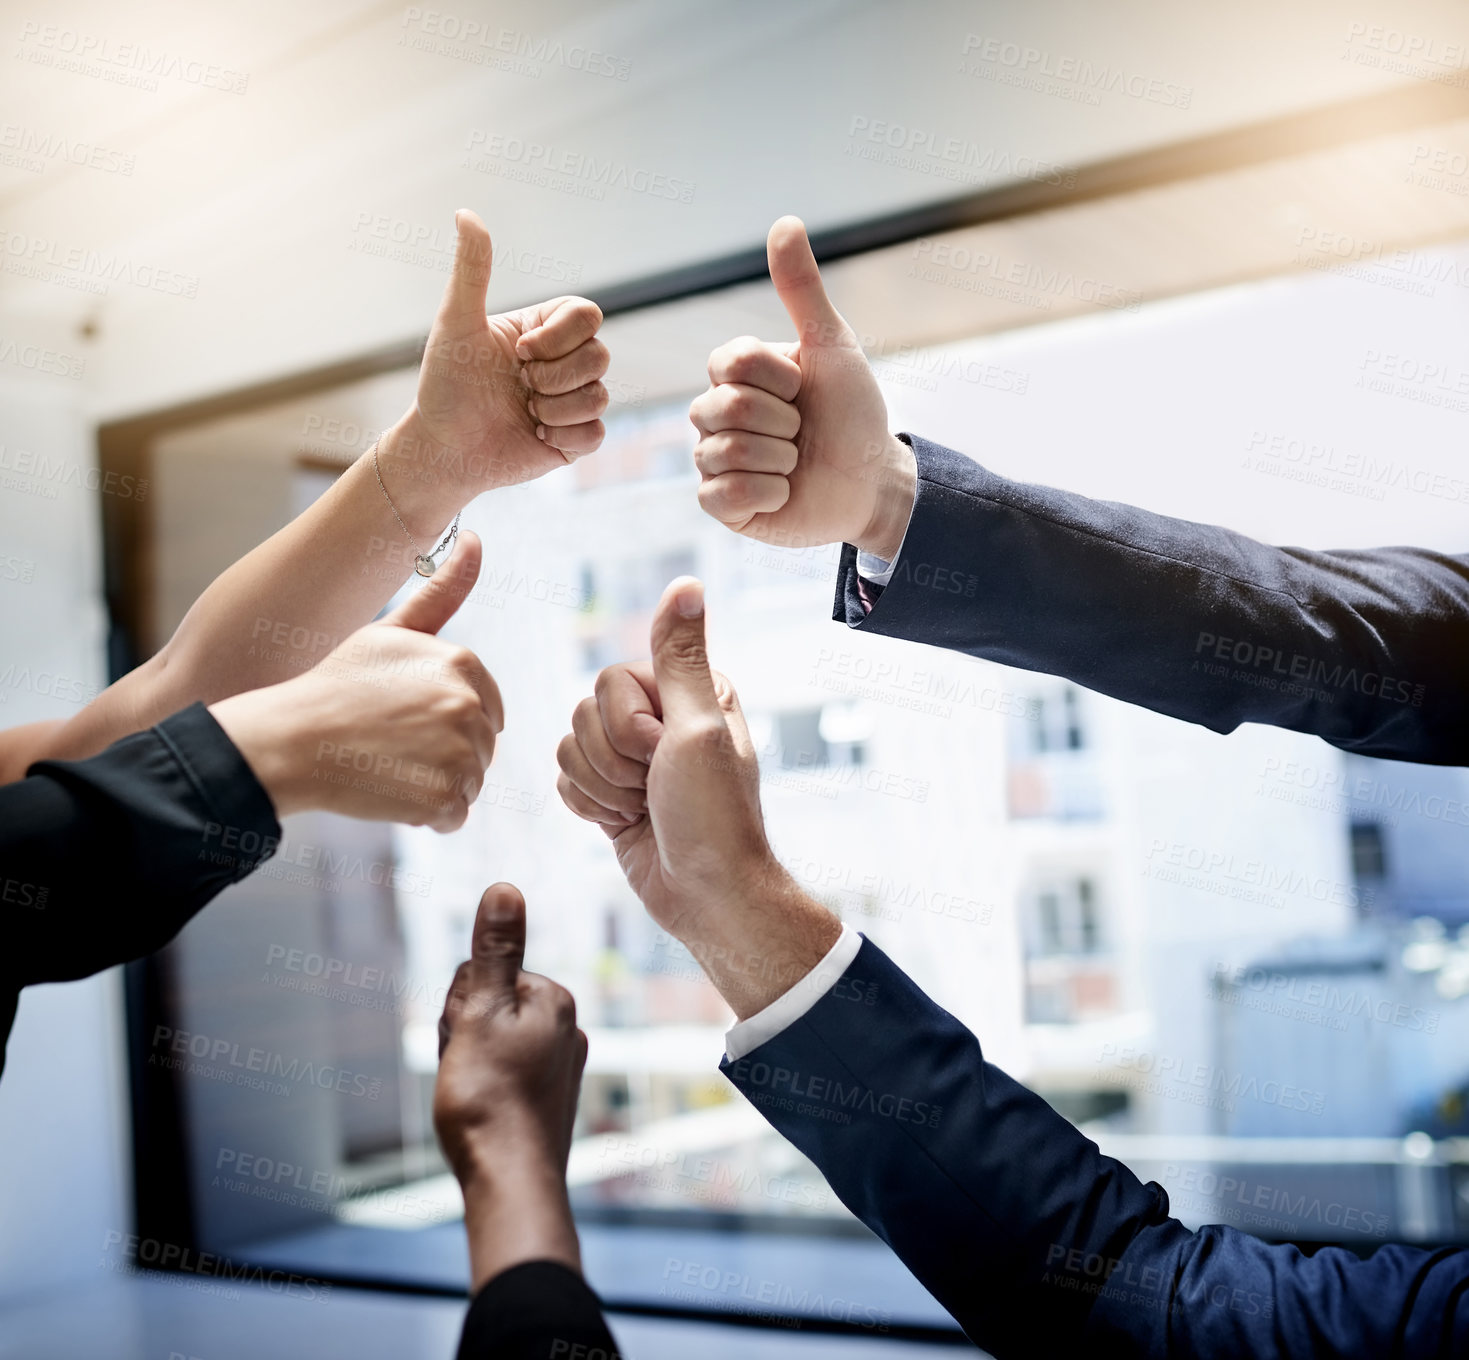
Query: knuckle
(462, 706)
(704, 737)
(738, 492)
(738, 403)
(710, 495)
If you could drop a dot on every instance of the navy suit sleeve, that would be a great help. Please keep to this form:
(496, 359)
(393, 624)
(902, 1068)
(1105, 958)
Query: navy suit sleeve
(104, 860)
(1369, 650)
(1034, 1241)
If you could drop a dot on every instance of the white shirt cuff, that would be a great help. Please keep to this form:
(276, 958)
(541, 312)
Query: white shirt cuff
(745, 1037)
(872, 568)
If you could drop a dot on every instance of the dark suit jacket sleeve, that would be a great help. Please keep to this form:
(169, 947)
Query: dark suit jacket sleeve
(540, 1310)
(104, 860)
(1369, 650)
(1034, 1241)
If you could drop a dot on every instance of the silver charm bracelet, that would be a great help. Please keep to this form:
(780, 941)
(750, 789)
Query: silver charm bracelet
(425, 563)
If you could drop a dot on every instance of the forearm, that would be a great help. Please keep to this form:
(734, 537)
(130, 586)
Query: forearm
(517, 1213)
(1369, 650)
(758, 951)
(21, 747)
(979, 1187)
(283, 606)
(106, 858)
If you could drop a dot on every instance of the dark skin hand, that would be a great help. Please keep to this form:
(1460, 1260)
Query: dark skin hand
(510, 1065)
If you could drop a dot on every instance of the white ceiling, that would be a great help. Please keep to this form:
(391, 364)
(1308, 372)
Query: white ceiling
(347, 125)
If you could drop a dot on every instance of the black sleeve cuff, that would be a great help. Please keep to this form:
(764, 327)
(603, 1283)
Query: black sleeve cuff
(244, 821)
(130, 844)
(538, 1310)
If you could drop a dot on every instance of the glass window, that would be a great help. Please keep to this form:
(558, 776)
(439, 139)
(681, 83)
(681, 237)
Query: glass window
(1161, 928)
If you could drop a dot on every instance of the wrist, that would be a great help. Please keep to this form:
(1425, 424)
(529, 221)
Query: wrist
(416, 475)
(273, 731)
(757, 945)
(516, 1209)
(895, 473)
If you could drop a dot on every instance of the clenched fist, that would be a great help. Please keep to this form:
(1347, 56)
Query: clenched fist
(501, 399)
(662, 759)
(794, 447)
(510, 1065)
(394, 725)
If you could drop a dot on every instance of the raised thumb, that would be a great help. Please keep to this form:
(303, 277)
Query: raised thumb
(439, 600)
(469, 282)
(797, 281)
(680, 658)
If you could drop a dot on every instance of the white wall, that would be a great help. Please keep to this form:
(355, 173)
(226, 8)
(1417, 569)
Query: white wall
(266, 202)
(64, 1140)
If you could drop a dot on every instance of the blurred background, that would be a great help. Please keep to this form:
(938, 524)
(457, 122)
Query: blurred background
(1211, 263)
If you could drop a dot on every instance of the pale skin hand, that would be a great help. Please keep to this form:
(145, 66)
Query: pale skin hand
(661, 758)
(510, 1065)
(287, 604)
(395, 725)
(794, 447)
